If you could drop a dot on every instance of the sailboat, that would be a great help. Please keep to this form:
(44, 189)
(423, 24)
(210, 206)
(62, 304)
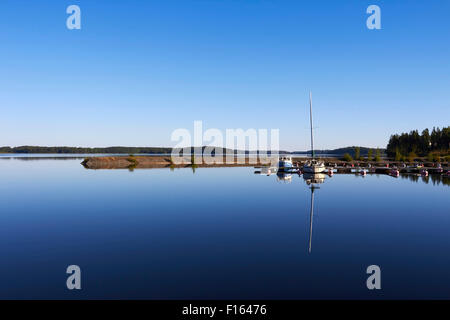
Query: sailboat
(314, 165)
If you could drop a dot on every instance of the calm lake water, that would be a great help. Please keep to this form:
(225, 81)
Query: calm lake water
(218, 233)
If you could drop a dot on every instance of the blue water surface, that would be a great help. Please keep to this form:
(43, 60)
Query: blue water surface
(218, 233)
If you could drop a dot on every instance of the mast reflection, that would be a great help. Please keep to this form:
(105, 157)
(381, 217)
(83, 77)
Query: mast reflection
(313, 180)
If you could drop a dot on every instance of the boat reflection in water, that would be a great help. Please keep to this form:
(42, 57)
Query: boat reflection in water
(267, 171)
(312, 180)
(284, 177)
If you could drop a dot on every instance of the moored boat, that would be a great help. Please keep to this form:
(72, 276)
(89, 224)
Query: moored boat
(285, 164)
(314, 165)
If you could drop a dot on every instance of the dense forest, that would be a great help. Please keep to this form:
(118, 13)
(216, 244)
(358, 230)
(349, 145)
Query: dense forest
(413, 144)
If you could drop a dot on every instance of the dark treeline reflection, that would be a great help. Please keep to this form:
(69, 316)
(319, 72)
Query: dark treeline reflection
(41, 158)
(435, 179)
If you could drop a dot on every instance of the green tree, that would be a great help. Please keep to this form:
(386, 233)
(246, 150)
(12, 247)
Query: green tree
(411, 156)
(369, 155)
(357, 153)
(377, 155)
(398, 155)
(436, 157)
(347, 157)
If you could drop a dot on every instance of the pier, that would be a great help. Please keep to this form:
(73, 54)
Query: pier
(384, 167)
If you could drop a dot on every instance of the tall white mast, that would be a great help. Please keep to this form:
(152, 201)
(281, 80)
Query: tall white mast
(311, 123)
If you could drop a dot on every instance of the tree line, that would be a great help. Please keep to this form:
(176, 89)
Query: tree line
(357, 154)
(413, 144)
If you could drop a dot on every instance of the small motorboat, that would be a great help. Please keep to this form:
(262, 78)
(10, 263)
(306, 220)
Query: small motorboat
(330, 172)
(285, 164)
(363, 172)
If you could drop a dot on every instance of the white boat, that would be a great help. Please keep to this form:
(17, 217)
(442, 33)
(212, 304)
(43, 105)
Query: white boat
(314, 165)
(285, 164)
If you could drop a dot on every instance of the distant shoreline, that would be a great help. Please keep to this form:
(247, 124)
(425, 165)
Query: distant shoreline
(119, 150)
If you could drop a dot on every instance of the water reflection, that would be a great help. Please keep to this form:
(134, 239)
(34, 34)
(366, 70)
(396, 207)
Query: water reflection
(435, 179)
(313, 180)
(265, 234)
(284, 177)
(34, 158)
(311, 215)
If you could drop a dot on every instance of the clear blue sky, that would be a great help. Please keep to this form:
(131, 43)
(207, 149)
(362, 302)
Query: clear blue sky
(137, 70)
